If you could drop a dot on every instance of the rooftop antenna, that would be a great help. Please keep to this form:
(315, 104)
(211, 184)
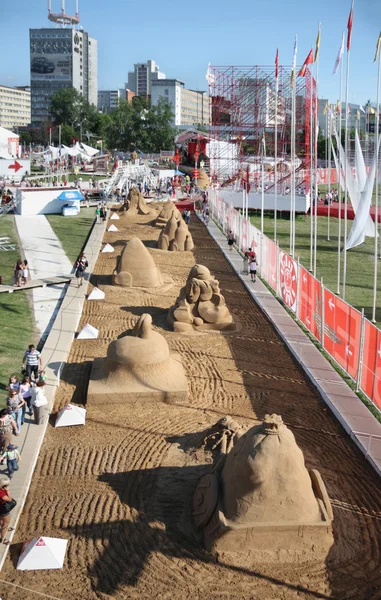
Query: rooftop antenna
(61, 17)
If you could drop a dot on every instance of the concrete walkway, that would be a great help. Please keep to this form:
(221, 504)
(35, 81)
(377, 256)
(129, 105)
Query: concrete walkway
(36, 283)
(46, 258)
(357, 420)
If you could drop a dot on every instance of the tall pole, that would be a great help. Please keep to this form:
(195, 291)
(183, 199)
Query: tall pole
(276, 155)
(376, 203)
(346, 176)
(329, 135)
(316, 163)
(263, 190)
(311, 173)
(293, 195)
(339, 188)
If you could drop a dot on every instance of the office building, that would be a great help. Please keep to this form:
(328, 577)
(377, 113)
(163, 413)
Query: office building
(108, 100)
(14, 107)
(190, 107)
(61, 58)
(141, 78)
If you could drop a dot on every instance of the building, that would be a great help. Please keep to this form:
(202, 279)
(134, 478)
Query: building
(61, 58)
(190, 107)
(140, 79)
(14, 107)
(108, 100)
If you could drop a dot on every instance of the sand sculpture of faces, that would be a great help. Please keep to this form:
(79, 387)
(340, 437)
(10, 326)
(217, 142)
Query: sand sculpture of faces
(136, 267)
(175, 236)
(261, 496)
(169, 209)
(200, 304)
(136, 203)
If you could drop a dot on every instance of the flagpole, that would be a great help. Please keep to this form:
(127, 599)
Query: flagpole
(346, 176)
(263, 191)
(329, 137)
(276, 153)
(311, 173)
(316, 161)
(376, 205)
(339, 188)
(293, 119)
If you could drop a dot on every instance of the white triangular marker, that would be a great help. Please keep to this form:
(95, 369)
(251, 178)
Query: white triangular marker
(108, 248)
(114, 217)
(112, 228)
(71, 415)
(96, 294)
(88, 332)
(42, 553)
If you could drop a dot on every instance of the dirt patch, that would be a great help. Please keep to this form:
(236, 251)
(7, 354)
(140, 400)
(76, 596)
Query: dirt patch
(120, 488)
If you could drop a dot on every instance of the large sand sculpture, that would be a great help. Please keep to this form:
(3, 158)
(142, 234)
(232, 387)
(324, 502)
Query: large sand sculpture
(169, 209)
(136, 267)
(175, 236)
(137, 204)
(138, 367)
(200, 304)
(261, 498)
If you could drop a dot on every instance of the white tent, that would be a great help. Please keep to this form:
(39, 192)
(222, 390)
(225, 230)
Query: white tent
(108, 248)
(96, 294)
(112, 228)
(71, 415)
(89, 150)
(9, 142)
(88, 332)
(42, 553)
(114, 217)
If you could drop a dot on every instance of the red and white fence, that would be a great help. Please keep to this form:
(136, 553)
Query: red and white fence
(344, 333)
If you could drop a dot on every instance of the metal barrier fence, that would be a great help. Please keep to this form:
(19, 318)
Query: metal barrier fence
(345, 334)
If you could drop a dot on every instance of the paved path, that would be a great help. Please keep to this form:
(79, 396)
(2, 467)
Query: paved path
(36, 283)
(357, 420)
(46, 257)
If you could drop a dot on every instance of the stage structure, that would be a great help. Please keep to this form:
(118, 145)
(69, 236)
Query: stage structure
(243, 112)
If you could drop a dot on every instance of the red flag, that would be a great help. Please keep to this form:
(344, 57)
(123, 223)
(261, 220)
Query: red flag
(349, 26)
(277, 64)
(309, 60)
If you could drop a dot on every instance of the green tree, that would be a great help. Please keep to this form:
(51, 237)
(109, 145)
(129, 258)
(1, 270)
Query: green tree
(69, 108)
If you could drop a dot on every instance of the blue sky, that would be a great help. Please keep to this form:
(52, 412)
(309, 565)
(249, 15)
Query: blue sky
(183, 37)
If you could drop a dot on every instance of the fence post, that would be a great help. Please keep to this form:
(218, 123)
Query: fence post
(322, 314)
(277, 270)
(297, 288)
(223, 217)
(361, 353)
(240, 231)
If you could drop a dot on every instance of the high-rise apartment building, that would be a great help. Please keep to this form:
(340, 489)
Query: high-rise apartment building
(189, 107)
(141, 78)
(14, 107)
(108, 100)
(61, 58)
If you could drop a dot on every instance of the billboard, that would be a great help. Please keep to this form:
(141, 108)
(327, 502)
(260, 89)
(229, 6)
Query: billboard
(51, 67)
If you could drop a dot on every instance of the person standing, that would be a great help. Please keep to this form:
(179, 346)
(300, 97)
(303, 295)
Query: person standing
(6, 505)
(39, 401)
(25, 272)
(32, 362)
(7, 427)
(15, 403)
(253, 270)
(18, 272)
(246, 263)
(187, 216)
(12, 456)
(80, 268)
(26, 393)
(231, 239)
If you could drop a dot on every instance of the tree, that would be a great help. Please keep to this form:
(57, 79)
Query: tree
(69, 108)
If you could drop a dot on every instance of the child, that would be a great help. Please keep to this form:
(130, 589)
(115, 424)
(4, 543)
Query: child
(25, 272)
(253, 269)
(26, 393)
(13, 383)
(12, 456)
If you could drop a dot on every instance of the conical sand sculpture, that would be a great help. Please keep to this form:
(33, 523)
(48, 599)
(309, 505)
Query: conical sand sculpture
(138, 367)
(169, 209)
(175, 236)
(137, 204)
(203, 180)
(200, 304)
(261, 498)
(136, 267)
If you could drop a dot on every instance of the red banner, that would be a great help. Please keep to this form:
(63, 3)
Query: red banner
(288, 280)
(310, 302)
(371, 364)
(244, 235)
(342, 331)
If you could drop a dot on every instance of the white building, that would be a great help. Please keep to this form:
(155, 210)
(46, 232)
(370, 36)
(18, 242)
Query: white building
(61, 58)
(14, 107)
(140, 79)
(108, 100)
(190, 107)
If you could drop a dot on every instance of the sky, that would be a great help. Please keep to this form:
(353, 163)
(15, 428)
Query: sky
(183, 37)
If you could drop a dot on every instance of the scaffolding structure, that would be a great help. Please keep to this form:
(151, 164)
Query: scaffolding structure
(243, 113)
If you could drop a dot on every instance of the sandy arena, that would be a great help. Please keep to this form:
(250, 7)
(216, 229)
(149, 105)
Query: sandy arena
(120, 488)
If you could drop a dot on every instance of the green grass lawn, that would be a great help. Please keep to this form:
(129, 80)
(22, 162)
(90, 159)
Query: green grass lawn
(86, 177)
(360, 261)
(16, 314)
(323, 188)
(73, 231)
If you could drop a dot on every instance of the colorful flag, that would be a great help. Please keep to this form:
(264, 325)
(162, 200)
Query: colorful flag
(317, 43)
(309, 60)
(294, 62)
(325, 109)
(339, 56)
(371, 110)
(349, 26)
(377, 48)
(338, 107)
(358, 115)
(277, 64)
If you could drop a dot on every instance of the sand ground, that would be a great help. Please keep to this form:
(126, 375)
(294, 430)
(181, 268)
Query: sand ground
(120, 488)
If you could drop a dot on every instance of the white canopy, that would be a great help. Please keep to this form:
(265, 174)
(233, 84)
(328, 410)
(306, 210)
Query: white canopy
(90, 151)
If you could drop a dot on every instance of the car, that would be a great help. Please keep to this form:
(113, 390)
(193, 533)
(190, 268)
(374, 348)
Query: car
(40, 64)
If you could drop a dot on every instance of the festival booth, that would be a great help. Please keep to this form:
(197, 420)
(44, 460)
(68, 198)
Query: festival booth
(46, 201)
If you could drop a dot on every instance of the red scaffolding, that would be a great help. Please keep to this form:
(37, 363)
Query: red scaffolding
(243, 108)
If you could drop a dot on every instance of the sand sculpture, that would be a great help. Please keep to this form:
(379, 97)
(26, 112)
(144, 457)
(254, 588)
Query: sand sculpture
(136, 267)
(175, 236)
(200, 305)
(203, 180)
(260, 497)
(169, 209)
(139, 367)
(136, 203)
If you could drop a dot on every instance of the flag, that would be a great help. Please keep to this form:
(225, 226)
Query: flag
(377, 48)
(325, 109)
(371, 110)
(277, 64)
(349, 26)
(349, 109)
(210, 78)
(294, 62)
(362, 109)
(358, 115)
(317, 43)
(338, 107)
(339, 56)
(309, 60)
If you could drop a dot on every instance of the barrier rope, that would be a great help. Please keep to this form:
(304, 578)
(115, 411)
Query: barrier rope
(29, 590)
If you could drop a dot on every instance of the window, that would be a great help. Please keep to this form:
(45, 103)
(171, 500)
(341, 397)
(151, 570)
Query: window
(166, 92)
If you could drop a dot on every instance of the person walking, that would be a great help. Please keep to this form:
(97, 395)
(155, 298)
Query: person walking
(80, 268)
(253, 269)
(32, 362)
(39, 401)
(231, 239)
(246, 263)
(12, 457)
(98, 213)
(18, 271)
(7, 427)
(187, 216)
(7, 503)
(15, 403)
(26, 393)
